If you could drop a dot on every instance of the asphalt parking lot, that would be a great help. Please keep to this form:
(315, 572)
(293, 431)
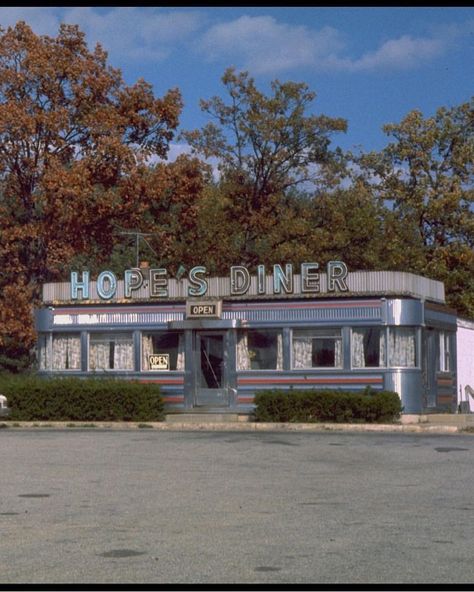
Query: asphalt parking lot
(144, 506)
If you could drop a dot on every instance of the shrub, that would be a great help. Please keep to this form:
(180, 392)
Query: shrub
(327, 405)
(31, 398)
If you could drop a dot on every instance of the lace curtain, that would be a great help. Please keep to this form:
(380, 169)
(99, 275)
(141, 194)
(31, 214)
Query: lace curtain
(66, 353)
(44, 348)
(279, 351)
(180, 358)
(402, 341)
(243, 354)
(99, 355)
(123, 355)
(303, 351)
(360, 344)
(111, 353)
(338, 354)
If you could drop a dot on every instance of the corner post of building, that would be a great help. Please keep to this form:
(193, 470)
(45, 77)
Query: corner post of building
(286, 348)
(137, 351)
(190, 369)
(84, 351)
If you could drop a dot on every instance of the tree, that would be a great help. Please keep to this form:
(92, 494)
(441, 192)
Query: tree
(72, 137)
(265, 146)
(425, 177)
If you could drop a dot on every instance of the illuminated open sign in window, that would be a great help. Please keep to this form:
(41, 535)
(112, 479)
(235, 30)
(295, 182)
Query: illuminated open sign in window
(159, 361)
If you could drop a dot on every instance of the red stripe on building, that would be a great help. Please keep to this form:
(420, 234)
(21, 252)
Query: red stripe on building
(176, 381)
(295, 380)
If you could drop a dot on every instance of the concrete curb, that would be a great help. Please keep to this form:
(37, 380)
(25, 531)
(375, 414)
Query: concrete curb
(240, 427)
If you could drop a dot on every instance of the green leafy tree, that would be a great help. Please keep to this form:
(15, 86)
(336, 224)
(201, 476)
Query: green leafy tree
(265, 145)
(425, 178)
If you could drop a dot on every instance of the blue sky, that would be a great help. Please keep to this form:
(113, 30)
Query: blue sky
(370, 65)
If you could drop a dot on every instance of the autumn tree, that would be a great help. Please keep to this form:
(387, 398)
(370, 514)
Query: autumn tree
(72, 137)
(425, 177)
(265, 145)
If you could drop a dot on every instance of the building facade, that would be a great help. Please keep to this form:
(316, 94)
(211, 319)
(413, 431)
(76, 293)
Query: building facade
(213, 343)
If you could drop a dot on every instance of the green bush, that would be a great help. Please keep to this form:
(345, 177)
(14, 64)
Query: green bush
(338, 406)
(31, 398)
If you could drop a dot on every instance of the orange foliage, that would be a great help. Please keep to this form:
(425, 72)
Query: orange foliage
(73, 143)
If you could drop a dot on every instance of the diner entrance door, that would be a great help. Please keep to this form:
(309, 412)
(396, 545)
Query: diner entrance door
(210, 367)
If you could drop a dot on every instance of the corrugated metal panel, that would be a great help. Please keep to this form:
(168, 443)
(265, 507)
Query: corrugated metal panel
(364, 283)
(344, 313)
(106, 318)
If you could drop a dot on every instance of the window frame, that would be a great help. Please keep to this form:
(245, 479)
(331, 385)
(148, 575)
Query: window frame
(444, 346)
(162, 332)
(417, 334)
(310, 330)
(113, 334)
(277, 331)
(383, 331)
(49, 345)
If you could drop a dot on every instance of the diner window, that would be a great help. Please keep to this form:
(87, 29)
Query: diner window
(317, 348)
(444, 352)
(260, 349)
(44, 352)
(169, 344)
(368, 347)
(402, 347)
(60, 352)
(111, 351)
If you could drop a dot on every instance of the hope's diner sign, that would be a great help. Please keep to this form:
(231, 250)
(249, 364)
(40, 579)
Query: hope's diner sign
(204, 309)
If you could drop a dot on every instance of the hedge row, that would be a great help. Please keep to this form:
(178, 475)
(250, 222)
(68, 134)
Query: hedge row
(327, 405)
(32, 398)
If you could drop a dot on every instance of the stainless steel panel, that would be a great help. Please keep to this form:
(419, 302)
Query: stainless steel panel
(404, 312)
(409, 385)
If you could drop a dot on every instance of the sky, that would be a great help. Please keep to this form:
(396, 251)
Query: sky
(369, 65)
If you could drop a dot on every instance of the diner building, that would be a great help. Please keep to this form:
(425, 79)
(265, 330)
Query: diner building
(213, 342)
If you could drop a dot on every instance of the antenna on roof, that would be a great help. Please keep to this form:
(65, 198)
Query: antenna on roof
(139, 236)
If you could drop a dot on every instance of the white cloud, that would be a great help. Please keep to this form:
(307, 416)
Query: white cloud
(267, 46)
(260, 44)
(43, 21)
(127, 33)
(403, 53)
(143, 33)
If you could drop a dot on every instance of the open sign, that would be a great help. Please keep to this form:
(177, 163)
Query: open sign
(203, 309)
(159, 361)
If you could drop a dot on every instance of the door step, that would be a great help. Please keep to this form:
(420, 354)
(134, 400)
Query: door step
(206, 418)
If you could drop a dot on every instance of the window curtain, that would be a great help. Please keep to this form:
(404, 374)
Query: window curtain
(99, 355)
(358, 350)
(302, 352)
(66, 352)
(358, 355)
(147, 349)
(338, 353)
(123, 355)
(402, 342)
(44, 345)
(279, 351)
(180, 358)
(243, 355)
(383, 348)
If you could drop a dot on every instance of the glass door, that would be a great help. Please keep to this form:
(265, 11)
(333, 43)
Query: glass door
(211, 371)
